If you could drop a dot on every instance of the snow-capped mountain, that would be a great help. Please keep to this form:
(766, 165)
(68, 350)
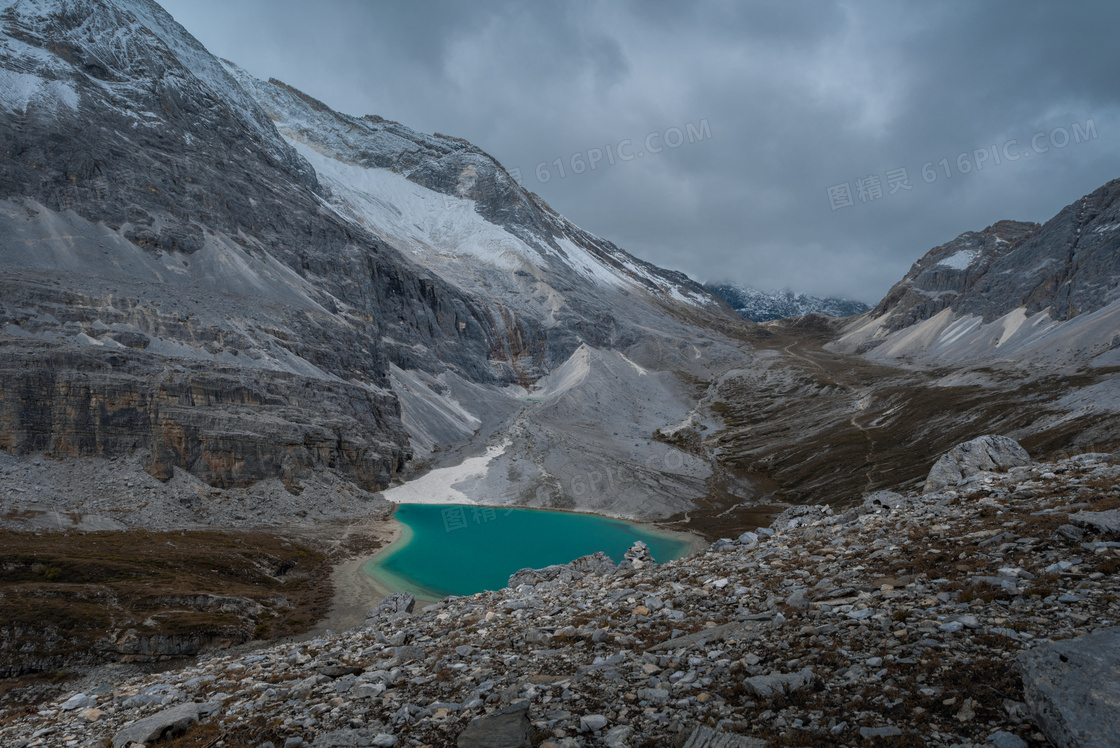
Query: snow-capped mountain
(233, 280)
(763, 306)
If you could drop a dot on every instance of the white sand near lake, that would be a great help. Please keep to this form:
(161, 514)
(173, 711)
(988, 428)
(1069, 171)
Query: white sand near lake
(439, 486)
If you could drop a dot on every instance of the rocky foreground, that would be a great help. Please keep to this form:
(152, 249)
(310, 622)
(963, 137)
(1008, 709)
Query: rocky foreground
(979, 613)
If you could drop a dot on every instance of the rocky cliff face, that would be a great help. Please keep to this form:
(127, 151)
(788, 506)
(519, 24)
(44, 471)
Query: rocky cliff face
(1042, 295)
(545, 285)
(155, 141)
(145, 197)
(1068, 266)
(950, 274)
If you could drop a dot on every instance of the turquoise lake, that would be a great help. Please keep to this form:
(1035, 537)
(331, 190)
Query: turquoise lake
(449, 549)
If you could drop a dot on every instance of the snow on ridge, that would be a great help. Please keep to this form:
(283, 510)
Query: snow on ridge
(32, 75)
(762, 306)
(960, 260)
(434, 226)
(137, 40)
(429, 224)
(588, 264)
(205, 67)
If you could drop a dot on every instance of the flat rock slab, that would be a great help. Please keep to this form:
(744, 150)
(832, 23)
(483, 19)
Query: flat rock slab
(162, 725)
(736, 630)
(1108, 522)
(706, 737)
(879, 732)
(1073, 689)
(507, 728)
(765, 686)
(338, 669)
(362, 738)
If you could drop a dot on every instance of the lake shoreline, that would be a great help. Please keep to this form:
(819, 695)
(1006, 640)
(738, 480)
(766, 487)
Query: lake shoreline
(385, 582)
(355, 592)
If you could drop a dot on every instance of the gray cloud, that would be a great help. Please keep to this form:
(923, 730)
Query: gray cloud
(798, 97)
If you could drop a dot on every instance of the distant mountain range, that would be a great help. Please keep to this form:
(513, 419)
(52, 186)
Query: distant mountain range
(762, 306)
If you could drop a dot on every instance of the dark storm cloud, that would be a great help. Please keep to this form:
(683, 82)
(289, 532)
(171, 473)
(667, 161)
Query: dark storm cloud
(798, 97)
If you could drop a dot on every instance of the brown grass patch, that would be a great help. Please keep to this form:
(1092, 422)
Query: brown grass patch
(63, 595)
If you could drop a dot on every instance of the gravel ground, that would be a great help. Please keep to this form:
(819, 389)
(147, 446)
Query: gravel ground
(896, 622)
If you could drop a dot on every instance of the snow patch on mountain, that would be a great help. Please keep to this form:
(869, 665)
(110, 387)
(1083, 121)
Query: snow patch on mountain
(961, 260)
(588, 264)
(442, 485)
(437, 227)
(18, 91)
(455, 208)
(414, 218)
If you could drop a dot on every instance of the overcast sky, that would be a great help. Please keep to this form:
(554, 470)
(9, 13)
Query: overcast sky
(786, 100)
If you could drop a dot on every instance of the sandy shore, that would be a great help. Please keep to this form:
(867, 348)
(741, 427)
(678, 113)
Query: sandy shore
(389, 583)
(355, 591)
(696, 544)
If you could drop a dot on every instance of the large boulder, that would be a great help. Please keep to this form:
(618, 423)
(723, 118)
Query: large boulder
(395, 604)
(982, 454)
(595, 565)
(880, 500)
(163, 725)
(1073, 687)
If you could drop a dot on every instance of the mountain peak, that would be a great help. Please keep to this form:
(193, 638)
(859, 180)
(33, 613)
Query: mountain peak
(1066, 267)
